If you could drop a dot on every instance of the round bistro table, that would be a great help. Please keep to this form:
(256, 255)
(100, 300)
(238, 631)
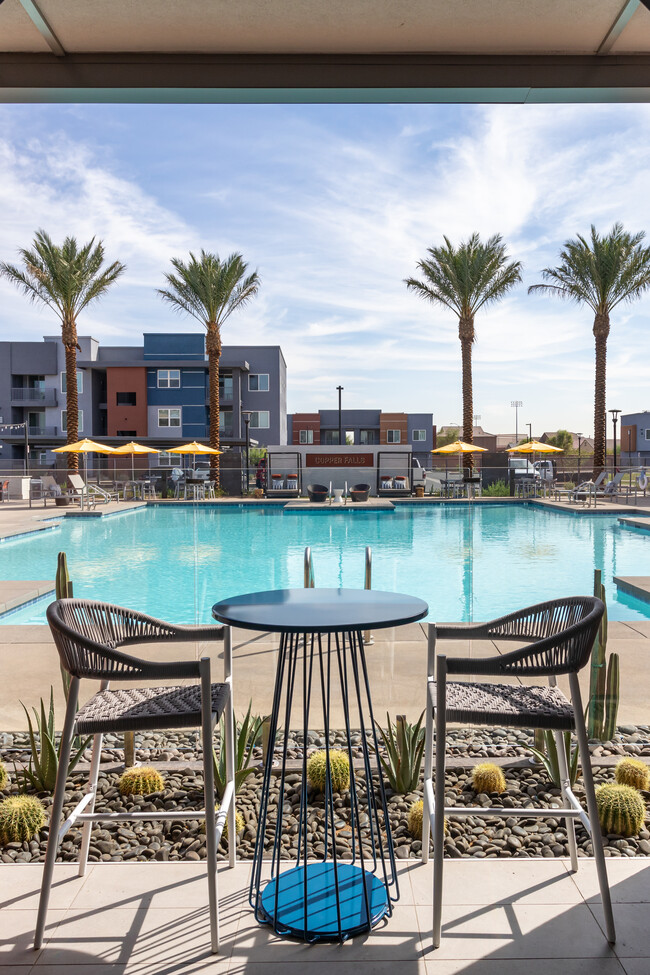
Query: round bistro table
(322, 655)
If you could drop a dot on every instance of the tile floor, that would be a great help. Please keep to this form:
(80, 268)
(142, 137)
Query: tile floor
(524, 917)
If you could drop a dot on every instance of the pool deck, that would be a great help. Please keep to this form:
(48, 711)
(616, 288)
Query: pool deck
(500, 917)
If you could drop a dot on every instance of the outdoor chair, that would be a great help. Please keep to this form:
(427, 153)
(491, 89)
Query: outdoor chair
(360, 492)
(4, 491)
(88, 636)
(79, 491)
(612, 488)
(92, 490)
(317, 492)
(559, 637)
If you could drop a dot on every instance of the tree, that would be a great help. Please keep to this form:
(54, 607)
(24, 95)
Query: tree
(449, 436)
(67, 279)
(466, 279)
(601, 272)
(562, 439)
(210, 290)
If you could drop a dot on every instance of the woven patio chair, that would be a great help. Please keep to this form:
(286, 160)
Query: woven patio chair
(559, 637)
(88, 636)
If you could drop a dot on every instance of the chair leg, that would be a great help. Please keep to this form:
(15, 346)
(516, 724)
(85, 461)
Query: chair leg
(92, 787)
(428, 745)
(57, 809)
(229, 744)
(592, 810)
(439, 809)
(564, 776)
(208, 785)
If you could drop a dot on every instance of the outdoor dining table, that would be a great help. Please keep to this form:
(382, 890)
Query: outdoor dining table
(322, 656)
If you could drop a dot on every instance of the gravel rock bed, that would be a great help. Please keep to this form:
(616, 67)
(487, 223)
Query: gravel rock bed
(473, 836)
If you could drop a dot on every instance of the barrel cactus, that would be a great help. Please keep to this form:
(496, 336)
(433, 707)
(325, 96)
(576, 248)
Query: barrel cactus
(21, 817)
(239, 824)
(488, 777)
(632, 772)
(4, 778)
(620, 809)
(141, 780)
(339, 770)
(415, 819)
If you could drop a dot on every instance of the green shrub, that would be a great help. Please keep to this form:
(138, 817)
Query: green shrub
(21, 817)
(487, 777)
(4, 778)
(141, 780)
(620, 809)
(632, 772)
(404, 745)
(498, 489)
(339, 770)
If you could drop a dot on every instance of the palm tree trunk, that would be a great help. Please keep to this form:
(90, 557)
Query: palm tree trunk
(71, 400)
(213, 348)
(601, 331)
(466, 335)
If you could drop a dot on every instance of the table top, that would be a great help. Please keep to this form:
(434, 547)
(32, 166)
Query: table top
(319, 610)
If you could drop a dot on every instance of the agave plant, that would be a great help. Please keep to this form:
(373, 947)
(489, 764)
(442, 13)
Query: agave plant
(44, 759)
(404, 744)
(247, 735)
(548, 757)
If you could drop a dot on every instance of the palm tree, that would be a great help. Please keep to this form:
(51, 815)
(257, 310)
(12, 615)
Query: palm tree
(67, 279)
(465, 279)
(210, 290)
(601, 273)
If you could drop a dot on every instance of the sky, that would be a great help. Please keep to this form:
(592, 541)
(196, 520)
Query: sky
(334, 205)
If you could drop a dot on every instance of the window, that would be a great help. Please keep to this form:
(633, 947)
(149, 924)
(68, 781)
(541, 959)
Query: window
(64, 421)
(225, 423)
(126, 399)
(127, 433)
(80, 382)
(258, 382)
(393, 436)
(169, 379)
(368, 437)
(261, 420)
(225, 387)
(165, 459)
(169, 418)
(329, 437)
(306, 436)
(647, 434)
(419, 435)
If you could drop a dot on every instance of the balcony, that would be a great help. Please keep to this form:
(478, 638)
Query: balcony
(24, 396)
(39, 431)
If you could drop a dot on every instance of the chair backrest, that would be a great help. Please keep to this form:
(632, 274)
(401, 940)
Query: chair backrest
(88, 633)
(560, 635)
(77, 482)
(318, 488)
(611, 486)
(360, 487)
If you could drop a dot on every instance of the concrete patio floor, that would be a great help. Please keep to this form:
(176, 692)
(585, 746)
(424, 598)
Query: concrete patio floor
(500, 918)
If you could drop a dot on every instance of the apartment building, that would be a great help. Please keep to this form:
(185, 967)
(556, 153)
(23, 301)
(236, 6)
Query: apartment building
(157, 392)
(364, 427)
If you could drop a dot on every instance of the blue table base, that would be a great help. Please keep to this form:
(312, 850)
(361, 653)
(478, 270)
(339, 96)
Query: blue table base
(316, 917)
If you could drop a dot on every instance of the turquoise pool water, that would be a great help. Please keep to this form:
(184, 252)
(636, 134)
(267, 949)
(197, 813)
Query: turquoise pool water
(468, 562)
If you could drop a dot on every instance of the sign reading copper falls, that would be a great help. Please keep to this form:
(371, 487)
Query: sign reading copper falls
(339, 460)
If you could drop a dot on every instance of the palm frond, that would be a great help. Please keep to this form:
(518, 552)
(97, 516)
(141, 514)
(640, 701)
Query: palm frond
(208, 288)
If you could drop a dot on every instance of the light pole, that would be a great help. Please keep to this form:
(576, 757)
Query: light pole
(246, 416)
(516, 403)
(614, 421)
(579, 436)
(340, 389)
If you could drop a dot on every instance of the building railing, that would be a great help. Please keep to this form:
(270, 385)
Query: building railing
(41, 397)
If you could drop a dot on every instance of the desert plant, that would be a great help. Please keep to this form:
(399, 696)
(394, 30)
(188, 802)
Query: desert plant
(4, 778)
(632, 772)
(604, 679)
(415, 817)
(620, 809)
(21, 817)
(247, 735)
(488, 777)
(404, 745)
(141, 780)
(549, 758)
(498, 489)
(44, 758)
(339, 770)
(239, 823)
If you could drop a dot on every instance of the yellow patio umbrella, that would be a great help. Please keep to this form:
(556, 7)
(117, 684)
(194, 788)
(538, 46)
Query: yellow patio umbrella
(459, 447)
(535, 447)
(194, 448)
(134, 448)
(84, 447)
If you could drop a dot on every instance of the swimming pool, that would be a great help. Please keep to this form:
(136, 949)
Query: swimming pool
(470, 562)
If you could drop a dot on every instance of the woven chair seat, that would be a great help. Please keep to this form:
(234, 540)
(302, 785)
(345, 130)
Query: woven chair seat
(496, 704)
(147, 708)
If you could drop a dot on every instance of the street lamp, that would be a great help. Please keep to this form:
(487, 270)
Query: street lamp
(579, 436)
(516, 403)
(246, 416)
(614, 421)
(340, 389)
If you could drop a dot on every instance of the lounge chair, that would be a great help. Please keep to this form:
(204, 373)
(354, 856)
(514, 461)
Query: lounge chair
(79, 491)
(317, 492)
(613, 487)
(93, 491)
(360, 492)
